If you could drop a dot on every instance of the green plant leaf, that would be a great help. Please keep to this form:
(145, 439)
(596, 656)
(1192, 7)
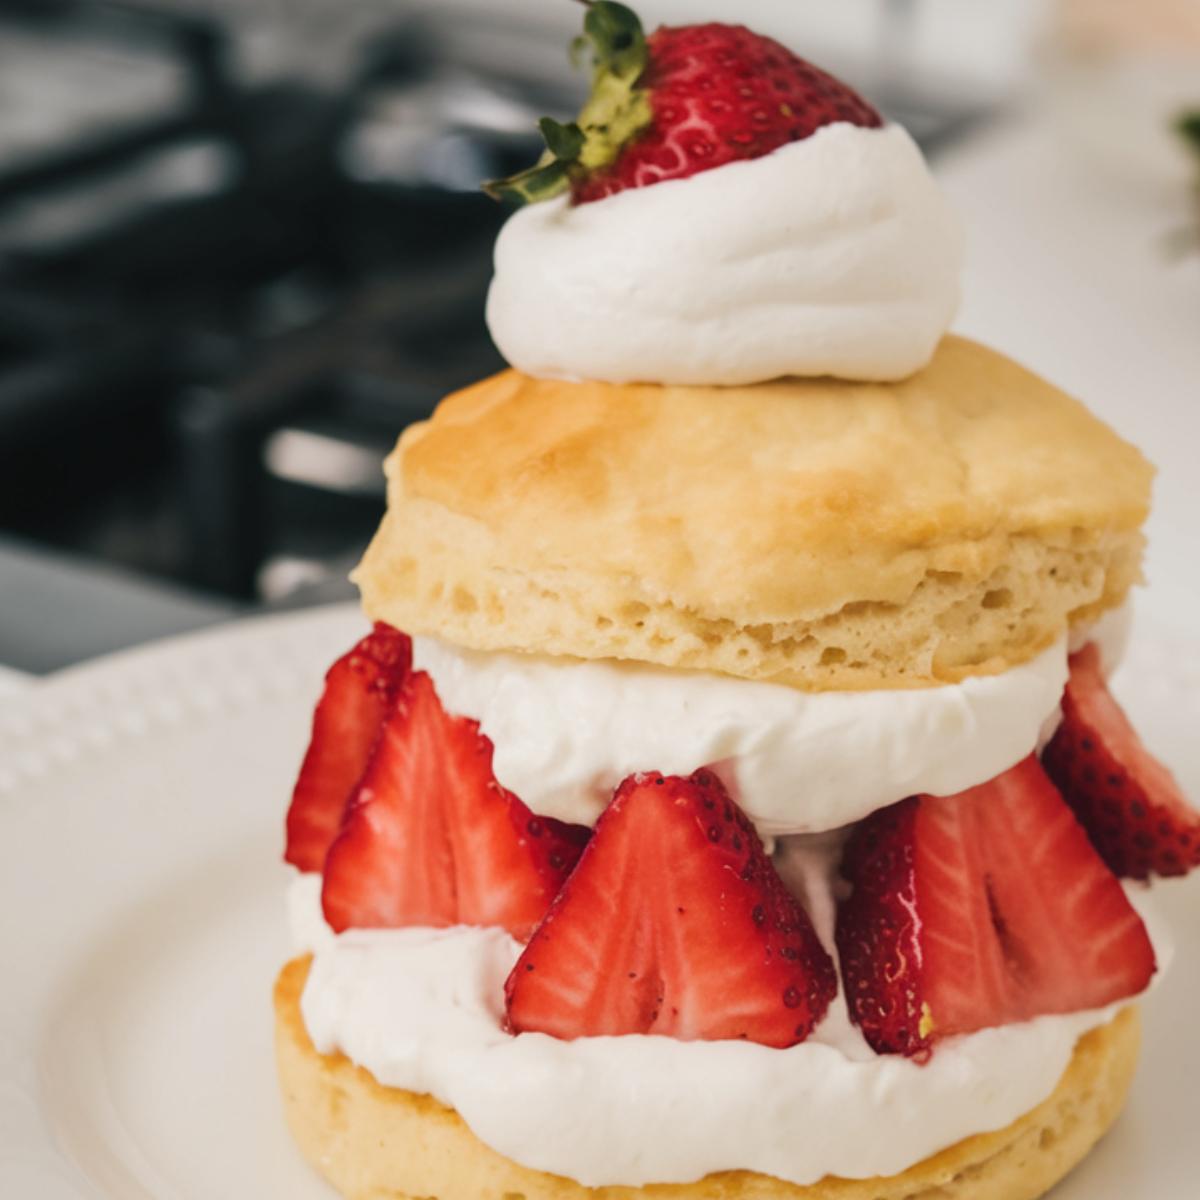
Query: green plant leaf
(1189, 127)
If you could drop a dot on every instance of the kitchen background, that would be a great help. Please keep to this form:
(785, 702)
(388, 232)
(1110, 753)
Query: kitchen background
(242, 245)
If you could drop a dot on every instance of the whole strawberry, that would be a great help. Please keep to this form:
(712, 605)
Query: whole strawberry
(680, 101)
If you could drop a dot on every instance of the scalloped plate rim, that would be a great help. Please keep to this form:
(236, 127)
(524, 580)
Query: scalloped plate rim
(93, 1004)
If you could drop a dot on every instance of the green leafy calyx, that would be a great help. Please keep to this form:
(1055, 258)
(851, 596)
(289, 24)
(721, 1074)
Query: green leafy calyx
(616, 111)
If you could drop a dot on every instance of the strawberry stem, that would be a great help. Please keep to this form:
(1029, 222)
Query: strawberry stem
(616, 112)
(616, 33)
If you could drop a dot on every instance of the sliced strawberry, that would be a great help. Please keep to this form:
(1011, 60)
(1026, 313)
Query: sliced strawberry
(430, 838)
(358, 688)
(981, 909)
(1129, 803)
(674, 923)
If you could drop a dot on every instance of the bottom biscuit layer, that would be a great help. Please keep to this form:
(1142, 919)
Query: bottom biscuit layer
(377, 1143)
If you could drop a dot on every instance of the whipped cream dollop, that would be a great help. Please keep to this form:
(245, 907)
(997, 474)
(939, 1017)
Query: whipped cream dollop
(566, 732)
(835, 255)
(1110, 633)
(422, 1009)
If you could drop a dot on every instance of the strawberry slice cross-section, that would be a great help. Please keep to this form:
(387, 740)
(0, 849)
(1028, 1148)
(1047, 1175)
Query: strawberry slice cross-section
(673, 923)
(346, 723)
(430, 838)
(981, 909)
(1129, 803)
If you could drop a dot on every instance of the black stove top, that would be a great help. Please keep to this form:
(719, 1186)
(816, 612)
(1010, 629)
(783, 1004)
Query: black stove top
(221, 299)
(216, 315)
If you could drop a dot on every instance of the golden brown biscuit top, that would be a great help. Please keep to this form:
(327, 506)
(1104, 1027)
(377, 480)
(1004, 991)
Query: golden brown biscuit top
(745, 493)
(753, 509)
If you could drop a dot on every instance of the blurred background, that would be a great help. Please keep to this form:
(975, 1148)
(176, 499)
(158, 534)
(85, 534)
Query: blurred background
(242, 245)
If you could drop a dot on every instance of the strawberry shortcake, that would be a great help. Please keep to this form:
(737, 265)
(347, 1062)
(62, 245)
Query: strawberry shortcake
(729, 800)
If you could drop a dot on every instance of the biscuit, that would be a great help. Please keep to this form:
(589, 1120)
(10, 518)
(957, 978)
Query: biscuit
(378, 1143)
(813, 532)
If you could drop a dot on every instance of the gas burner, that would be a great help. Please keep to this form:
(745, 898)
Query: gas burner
(223, 292)
(216, 317)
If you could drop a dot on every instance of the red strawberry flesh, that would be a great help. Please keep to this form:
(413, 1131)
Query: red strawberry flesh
(979, 910)
(722, 94)
(346, 724)
(674, 923)
(683, 100)
(431, 839)
(1129, 803)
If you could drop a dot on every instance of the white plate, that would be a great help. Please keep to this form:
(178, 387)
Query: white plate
(141, 923)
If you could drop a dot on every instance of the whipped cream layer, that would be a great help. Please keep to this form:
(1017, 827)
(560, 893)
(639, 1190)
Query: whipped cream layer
(566, 732)
(422, 1009)
(835, 255)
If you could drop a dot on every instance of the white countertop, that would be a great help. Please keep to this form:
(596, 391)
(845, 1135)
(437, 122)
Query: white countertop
(1069, 272)
(12, 682)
